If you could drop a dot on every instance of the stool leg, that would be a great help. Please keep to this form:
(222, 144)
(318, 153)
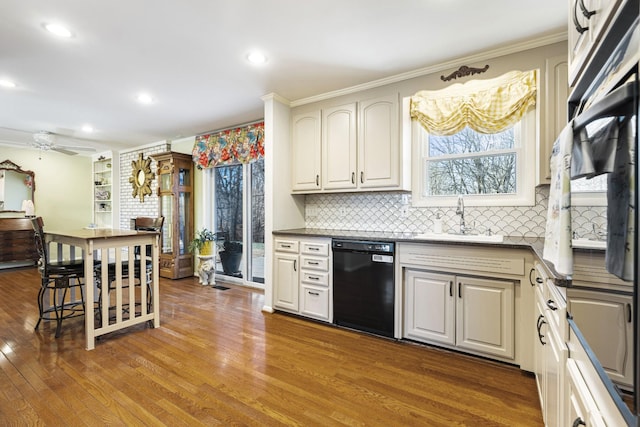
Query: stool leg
(41, 292)
(60, 313)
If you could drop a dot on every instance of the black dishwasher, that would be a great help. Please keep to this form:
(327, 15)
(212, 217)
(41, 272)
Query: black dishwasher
(363, 285)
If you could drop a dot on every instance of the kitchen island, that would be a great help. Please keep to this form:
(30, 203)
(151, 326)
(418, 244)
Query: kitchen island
(117, 247)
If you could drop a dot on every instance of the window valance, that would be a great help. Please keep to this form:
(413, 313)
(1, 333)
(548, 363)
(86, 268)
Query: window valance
(486, 106)
(240, 145)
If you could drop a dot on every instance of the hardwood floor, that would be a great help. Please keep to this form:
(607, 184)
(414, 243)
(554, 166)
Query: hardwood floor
(217, 359)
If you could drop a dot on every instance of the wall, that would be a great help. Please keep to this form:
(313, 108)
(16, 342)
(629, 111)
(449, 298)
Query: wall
(64, 187)
(382, 212)
(131, 207)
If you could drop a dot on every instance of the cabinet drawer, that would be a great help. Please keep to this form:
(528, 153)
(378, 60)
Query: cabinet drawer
(313, 263)
(315, 302)
(320, 279)
(287, 246)
(321, 249)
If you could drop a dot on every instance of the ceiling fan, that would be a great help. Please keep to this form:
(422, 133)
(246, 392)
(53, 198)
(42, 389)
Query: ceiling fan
(41, 140)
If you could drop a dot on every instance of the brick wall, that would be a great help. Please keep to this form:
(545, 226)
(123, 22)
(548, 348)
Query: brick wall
(131, 207)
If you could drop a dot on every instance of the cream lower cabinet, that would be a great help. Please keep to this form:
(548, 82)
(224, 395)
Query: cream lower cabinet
(581, 408)
(302, 279)
(606, 321)
(473, 314)
(550, 353)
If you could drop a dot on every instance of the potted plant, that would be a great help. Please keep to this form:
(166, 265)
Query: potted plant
(230, 257)
(203, 242)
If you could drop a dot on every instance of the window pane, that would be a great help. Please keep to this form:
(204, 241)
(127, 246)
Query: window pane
(257, 221)
(476, 175)
(228, 217)
(470, 141)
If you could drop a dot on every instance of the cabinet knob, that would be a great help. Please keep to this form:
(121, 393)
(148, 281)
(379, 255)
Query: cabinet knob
(552, 305)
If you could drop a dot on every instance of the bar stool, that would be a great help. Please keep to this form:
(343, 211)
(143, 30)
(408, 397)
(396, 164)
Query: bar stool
(140, 224)
(57, 278)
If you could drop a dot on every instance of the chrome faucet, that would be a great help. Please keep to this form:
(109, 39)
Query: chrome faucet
(460, 211)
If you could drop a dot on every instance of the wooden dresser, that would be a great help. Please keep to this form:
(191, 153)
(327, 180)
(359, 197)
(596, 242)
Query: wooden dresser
(17, 246)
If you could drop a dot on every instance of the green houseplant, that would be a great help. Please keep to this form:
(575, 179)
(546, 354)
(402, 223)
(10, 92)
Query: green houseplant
(203, 242)
(230, 257)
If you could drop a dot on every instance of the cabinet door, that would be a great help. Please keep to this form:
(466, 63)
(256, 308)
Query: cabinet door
(485, 316)
(539, 348)
(429, 307)
(339, 147)
(606, 321)
(581, 409)
(378, 143)
(555, 360)
(307, 152)
(555, 112)
(286, 281)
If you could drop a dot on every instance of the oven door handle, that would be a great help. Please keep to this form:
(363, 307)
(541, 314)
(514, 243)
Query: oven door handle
(608, 106)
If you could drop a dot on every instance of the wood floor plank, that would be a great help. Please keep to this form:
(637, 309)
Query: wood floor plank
(219, 360)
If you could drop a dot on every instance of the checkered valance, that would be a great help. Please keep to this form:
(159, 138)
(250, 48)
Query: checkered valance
(232, 146)
(486, 106)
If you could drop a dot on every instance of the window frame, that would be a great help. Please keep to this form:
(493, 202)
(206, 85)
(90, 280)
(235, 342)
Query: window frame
(526, 143)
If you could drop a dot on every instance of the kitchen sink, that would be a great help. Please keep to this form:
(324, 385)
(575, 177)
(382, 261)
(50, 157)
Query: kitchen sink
(495, 238)
(588, 244)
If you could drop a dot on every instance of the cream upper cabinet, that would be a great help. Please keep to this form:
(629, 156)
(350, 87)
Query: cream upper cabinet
(350, 147)
(555, 113)
(378, 143)
(339, 147)
(307, 152)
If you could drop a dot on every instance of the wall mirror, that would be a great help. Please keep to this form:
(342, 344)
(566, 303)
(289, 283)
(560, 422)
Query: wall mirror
(16, 185)
(141, 177)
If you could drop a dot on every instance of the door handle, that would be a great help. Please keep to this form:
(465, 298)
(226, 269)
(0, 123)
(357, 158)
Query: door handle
(459, 290)
(317, 180)
(579, 28)
(362, 177)
(630, 312)
(450, 288)
(353, 177)
(295, 263)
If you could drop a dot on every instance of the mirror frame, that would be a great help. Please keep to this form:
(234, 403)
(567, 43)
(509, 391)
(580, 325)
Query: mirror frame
(141, 177)
(10, 166)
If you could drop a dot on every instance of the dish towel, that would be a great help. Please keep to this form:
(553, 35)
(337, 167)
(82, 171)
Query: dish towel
(557, 241)
(619, 258)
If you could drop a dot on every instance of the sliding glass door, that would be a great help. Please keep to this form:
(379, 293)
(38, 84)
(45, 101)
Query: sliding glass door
(239, 220)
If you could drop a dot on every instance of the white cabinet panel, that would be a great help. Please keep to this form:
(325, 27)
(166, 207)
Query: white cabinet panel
(485, 316)
(378, 143)
(286, 281)
(315, 302)
(606, 321)
(339, 147)
(306, 152)
(429, 307)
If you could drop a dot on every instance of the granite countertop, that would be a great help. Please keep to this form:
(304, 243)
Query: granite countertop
(536, 244)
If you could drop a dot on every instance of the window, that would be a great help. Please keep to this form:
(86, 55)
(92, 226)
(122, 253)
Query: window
(488, 169)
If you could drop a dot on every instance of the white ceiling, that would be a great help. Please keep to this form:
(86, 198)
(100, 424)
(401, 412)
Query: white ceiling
(191, 56)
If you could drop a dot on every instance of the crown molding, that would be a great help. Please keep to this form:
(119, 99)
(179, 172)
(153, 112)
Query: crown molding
(482, 56)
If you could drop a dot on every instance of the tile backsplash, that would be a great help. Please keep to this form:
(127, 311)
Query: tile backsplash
(385, 211)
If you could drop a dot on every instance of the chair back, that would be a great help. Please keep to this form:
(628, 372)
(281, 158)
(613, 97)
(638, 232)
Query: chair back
(144, 223)
(41, 247)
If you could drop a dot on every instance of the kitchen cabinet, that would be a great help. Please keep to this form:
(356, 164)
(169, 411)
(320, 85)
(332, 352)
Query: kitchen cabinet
(581, 409)
(105, 194)
(306, 152)
(551, 352)
(339, 148)
(302, 279)
(175, 189)
(350, 147)
(470, 313)
(606, 321)
(555, 113)
(588, 20)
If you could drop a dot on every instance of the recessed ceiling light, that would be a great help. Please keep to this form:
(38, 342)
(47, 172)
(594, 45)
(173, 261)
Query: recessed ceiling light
(58, 30)
(7, 83)
(144, 98)
(256, 58)
(87, 128)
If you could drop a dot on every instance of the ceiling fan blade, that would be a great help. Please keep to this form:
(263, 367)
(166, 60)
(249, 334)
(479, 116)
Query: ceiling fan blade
(75, 147)
(63, 151)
